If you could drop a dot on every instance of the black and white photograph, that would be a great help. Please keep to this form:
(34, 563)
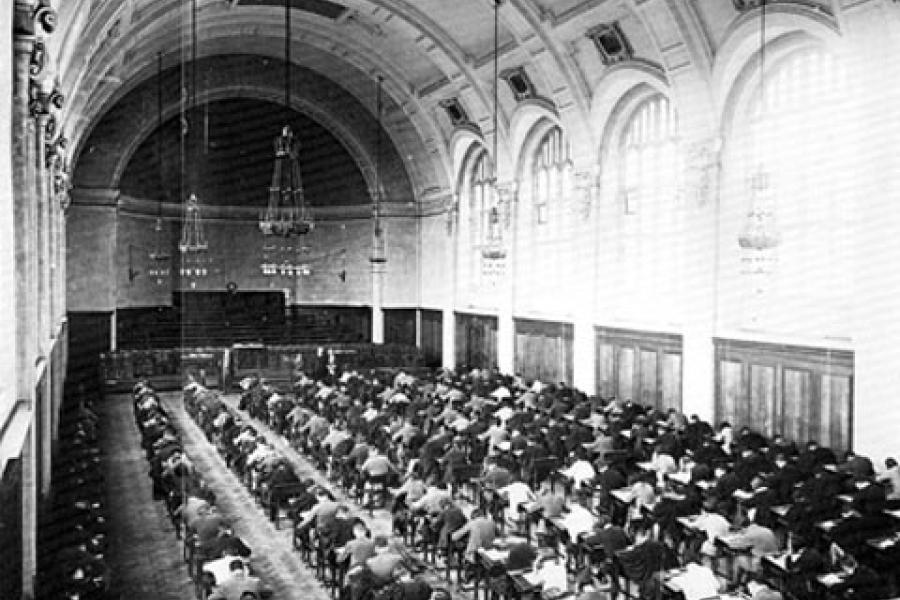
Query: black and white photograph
(450, 300)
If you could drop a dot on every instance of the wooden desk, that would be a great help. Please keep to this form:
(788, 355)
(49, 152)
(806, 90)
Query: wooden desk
(731, 545)
(488, 562)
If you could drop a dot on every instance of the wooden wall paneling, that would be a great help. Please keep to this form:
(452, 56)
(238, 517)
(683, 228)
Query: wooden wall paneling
(476, 340)
(649, 377)
(543, 350)
(762, 398)
(643, 366)
(671, 380)
(796, 398)
(730, 392)
(836, 426)
(626, 373)
(606, 370)
(432, 336)
(803, 392)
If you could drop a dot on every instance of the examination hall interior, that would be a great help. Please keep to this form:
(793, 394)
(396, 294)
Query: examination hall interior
(680, 205)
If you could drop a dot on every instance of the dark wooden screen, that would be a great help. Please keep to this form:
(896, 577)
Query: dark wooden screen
(476, 341)
(400, 326)
(433, 337)
(802, 392)
(544, 350)
(11, 529)
(641, 365)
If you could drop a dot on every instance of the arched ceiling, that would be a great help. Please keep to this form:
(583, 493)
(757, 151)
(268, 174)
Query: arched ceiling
(233, 158)
(427, 51)
(103, 156)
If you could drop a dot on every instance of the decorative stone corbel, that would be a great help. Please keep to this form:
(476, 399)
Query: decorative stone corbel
(507, 196)
(451, 207)
(585, 186)
(28, 14)
(38, 59)
(703, 162)
(55, 151)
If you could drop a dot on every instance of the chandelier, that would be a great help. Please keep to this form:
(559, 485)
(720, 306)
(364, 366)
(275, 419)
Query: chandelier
(759, 238)
(159, 257)
(193, 245)
(286, 213)
(289, 262)
(493, 248)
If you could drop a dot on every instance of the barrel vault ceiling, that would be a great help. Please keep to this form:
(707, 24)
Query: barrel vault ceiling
(427, 51)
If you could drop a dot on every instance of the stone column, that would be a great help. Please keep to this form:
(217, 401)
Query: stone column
(506, 329)
(700, 280)
(873, 32)
(584, 347)
(378, 260)
(24, 46)
(448, 318)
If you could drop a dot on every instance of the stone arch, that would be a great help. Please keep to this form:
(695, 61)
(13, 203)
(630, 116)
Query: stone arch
(102, 157)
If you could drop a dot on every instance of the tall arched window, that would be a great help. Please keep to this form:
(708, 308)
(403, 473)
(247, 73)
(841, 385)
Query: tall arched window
(794, 150)
(652, 166)
(551, 174)
(481, 198)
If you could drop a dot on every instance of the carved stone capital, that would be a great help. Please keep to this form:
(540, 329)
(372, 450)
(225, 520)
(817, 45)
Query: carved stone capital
(585, 186)
(42, 103)
(38, 59)
(29, 15)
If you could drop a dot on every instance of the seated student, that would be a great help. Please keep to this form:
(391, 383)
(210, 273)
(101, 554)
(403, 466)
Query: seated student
(643, 494)
(713, 525)
(858, 466)
(226, 543)
(581, 471)
(645, 561)
(890, 478)
(517, 495)
(338, 531)
(407, 587)
(480, 532)
(376, 469)
(548, 503)
(384, 562)
(804, 565)
(319, 516)
(448, 521)
(611, 538)
(496, 476)
(281, 483)
(359, 549)
(431, 501)
(761, 541)
(236, 583)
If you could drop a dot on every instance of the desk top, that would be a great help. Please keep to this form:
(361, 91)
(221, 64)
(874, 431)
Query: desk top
(623, 495)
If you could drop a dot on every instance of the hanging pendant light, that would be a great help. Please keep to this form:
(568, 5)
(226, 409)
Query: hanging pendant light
(493, 248)
(287, 213)
(159, 256)
(379, 250)
(193, 245)
(760, 237)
